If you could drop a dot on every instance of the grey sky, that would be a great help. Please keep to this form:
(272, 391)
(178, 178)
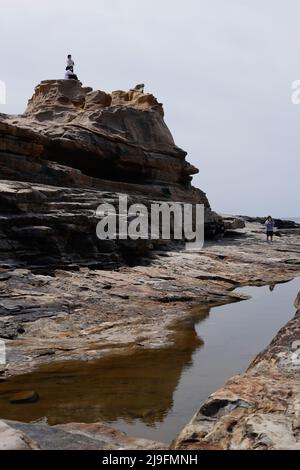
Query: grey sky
(222, 68)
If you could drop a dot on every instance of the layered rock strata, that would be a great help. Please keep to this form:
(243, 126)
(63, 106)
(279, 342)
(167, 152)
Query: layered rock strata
(74, 149)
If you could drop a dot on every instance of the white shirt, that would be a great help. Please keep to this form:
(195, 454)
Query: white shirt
(70, 63)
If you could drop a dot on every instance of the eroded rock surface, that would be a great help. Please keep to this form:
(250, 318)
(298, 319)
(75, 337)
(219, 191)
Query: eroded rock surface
(14, 439)
(73, 136)
(73, 436)
(55, 314)
(138, 308)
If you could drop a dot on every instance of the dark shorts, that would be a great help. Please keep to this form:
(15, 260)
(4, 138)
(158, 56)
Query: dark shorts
(270, 233)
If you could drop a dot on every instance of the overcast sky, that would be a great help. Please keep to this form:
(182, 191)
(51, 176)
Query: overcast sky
(222, 68)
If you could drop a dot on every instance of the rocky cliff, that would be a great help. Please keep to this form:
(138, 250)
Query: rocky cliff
(73, 149)
(118, 137)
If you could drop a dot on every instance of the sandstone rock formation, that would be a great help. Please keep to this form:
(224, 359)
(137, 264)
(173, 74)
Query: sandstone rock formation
(73, 149)
(119, 137)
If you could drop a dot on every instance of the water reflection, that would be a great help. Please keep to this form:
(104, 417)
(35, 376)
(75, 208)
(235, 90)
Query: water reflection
(129, 387)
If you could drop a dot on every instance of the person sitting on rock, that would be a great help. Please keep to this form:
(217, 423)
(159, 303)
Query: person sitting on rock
(270, 224)
(70, 75)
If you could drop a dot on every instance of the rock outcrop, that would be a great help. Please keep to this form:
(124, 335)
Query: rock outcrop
(73, 149)
(119, 137)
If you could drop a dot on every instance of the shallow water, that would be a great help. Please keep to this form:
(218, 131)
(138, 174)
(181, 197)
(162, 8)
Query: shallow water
(154, 393)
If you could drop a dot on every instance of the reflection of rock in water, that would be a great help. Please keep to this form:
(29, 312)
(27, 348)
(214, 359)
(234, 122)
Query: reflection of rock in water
(136, 386)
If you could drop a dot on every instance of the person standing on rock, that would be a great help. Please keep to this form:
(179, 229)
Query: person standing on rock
(70, 63)
(270, 224)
